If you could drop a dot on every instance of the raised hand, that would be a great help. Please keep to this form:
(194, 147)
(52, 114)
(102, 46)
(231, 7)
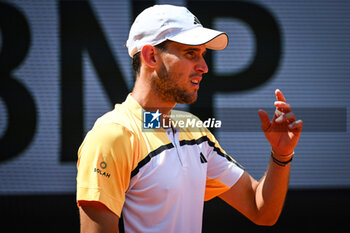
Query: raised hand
(284, 130)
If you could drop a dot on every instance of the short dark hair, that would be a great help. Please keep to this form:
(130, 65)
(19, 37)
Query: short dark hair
(136, 63)
(136, 60)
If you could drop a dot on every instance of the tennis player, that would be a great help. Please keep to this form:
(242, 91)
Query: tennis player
(159, 178)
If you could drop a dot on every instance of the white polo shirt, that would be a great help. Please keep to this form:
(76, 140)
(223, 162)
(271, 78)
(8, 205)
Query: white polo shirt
(159, 178)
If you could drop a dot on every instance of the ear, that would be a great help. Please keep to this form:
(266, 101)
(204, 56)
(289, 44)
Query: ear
(148, 56)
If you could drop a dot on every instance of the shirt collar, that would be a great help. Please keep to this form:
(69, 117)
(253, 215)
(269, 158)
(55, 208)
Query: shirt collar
(132, 105)
(135, 108)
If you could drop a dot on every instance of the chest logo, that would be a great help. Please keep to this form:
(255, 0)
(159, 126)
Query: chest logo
(203, 159)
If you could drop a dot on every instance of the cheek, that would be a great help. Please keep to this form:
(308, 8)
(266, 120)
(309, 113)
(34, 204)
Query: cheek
(177, 67)
(182, 69)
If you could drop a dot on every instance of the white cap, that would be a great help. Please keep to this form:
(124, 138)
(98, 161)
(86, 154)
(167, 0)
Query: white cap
(166, 22)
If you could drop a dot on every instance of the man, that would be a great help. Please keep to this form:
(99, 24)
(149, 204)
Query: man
(161, 177)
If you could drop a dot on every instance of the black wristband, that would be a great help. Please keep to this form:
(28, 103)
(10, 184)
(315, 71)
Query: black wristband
(280, 163)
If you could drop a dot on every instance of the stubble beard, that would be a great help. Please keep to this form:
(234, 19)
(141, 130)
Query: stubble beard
(169, 90)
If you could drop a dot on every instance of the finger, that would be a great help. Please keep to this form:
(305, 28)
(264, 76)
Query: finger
(283, 106)
(279, 95)
(277, 114)
(296, 126)
(288, 117)
(264, 118)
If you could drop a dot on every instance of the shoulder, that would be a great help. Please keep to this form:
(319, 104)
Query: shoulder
(119, 115)
(107, 139)
(109, 132)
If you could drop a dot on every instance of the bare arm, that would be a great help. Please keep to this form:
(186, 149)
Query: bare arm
(97, 218)
(261, 201)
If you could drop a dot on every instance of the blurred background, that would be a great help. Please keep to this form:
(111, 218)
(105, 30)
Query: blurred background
(64, 63)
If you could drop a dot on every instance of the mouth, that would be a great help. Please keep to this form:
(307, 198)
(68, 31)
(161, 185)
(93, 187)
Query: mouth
(195, 81)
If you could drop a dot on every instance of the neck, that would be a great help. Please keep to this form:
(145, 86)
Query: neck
(149, 99)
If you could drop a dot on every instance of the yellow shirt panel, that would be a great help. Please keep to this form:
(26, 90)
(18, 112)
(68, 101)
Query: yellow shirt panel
(105, 161)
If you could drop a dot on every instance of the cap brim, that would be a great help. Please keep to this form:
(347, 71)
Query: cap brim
(197, 36)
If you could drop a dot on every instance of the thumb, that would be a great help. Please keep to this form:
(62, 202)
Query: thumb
(264, 118)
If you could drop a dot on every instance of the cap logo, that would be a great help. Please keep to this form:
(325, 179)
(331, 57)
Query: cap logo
(196, 20)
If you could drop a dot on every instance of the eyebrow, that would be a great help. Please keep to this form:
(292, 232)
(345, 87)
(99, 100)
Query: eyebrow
(195, 49)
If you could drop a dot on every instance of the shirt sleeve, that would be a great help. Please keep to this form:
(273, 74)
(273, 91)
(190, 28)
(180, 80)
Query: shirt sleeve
(105, 162)
(222, 172)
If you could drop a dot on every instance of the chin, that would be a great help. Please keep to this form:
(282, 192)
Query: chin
(188, 99)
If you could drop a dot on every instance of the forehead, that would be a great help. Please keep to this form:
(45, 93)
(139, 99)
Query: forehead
(183, 47)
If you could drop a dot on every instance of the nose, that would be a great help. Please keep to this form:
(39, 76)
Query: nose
(201, 66)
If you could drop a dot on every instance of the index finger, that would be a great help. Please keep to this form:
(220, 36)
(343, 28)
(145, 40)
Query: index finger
(279, 95)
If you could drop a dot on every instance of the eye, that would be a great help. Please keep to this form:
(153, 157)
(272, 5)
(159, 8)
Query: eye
(190, 54)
